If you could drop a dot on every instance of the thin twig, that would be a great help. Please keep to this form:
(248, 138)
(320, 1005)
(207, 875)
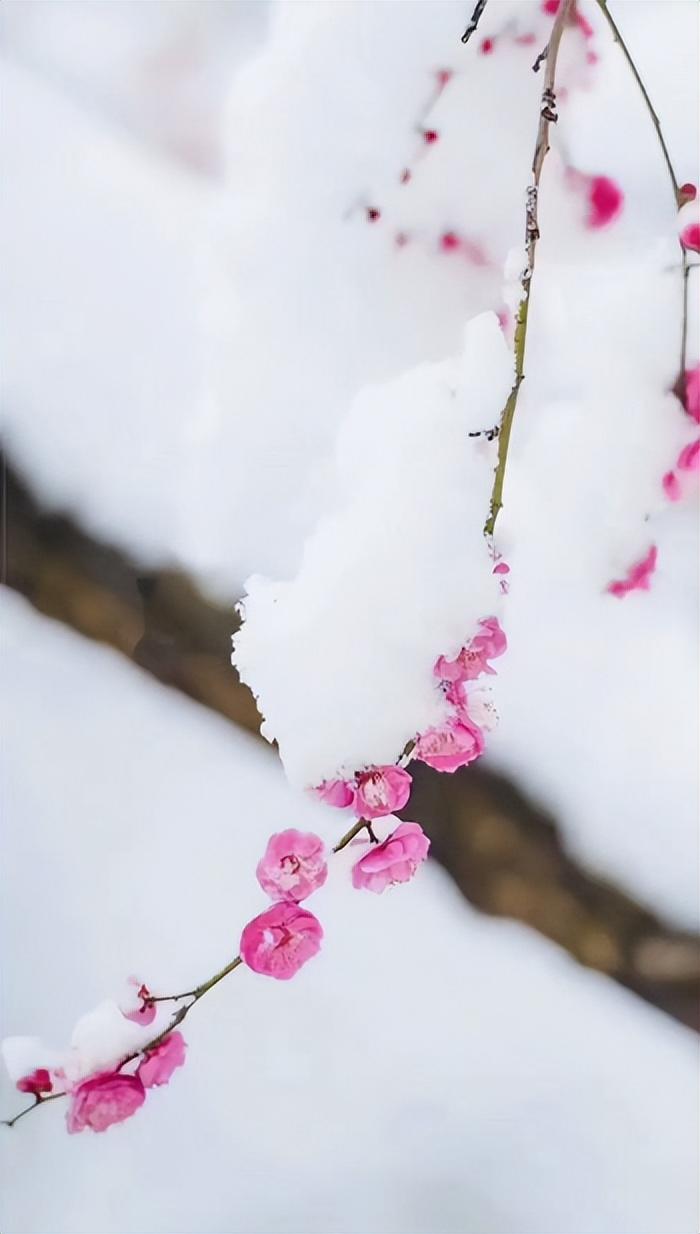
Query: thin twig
(193, 995)
(360, 825)
(10, 1122)
(548, 115)
(475, 19)
(677, 194)
(602, 5)
(177, 1019)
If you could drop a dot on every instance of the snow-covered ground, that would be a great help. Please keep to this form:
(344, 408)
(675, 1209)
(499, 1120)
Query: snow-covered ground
(180, 353)
(430, 1070)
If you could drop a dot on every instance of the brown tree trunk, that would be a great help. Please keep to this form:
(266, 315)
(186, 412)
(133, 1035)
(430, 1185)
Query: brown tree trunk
(504, 852)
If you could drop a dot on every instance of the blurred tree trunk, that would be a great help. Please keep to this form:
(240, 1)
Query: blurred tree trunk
(503, 851)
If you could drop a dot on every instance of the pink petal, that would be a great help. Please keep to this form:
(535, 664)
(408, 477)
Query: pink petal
(690, 237)
(671, 486)
(605, 200)
(689, 457)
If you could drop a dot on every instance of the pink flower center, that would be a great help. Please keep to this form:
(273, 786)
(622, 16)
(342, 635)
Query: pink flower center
(375, 790)
(441, 741)
(289, 875)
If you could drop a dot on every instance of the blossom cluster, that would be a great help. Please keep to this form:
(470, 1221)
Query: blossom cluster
(103, 1094)
(281, 939)
(456, 742)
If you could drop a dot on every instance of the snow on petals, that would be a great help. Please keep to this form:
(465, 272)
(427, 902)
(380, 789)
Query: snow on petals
(479, 708)
(157, 1066)
(381, 791)
(103, 1100)
(293, 866)
(33, 1066)
(394, 861)
(343, 687)
(638, 576)
(279, 941)
(454, 744)
(473, 659)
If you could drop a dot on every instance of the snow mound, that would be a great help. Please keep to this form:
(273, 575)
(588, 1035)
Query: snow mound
(340, 657)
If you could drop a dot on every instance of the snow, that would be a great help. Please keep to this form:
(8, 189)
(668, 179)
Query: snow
(100, 279)
(341, 657)
(99, 1040)
(591, 682)
(159, 70)
(180, 359)
(429, 1069)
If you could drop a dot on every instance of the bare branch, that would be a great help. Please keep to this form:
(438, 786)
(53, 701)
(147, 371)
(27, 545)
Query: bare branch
(475, 19)
(505, 854)
(677, 190)
(548, 115)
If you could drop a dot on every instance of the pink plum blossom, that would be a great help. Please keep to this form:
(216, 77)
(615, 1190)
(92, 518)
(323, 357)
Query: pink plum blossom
(692, 393)
(294, 865)
(474, 706)
(638, 576)
(690, 237)
(491, 638)
(671, 486)
(456, 743)
(336, 793)
(281, 940)
(36, 1082)
(583, 24)
(689, 457)
(145, 1013)
(394, 861)
(157, 1066)
(451, 242)
(605, 201)
(479, 709)
(104, 1099)
(381, 790)
(473, 660)
(687, 192)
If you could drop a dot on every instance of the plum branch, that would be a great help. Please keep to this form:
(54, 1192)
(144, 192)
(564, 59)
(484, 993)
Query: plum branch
(475, 19)
(677, 189)
(194, 995)
(547, 117)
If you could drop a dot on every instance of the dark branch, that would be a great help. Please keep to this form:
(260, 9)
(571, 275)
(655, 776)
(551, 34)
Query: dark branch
(505, 854)
(475, 19)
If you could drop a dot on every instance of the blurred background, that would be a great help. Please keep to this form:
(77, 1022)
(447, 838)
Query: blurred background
(509, 1047)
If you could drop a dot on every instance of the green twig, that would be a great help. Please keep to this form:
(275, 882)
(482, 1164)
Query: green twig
(548, 116)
